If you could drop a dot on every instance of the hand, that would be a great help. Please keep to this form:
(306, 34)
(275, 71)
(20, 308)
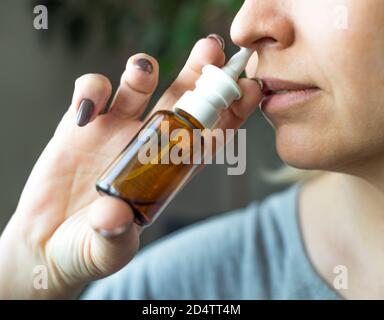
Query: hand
(61, 223)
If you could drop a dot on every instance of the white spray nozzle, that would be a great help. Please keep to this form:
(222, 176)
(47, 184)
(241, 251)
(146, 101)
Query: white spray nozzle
(215, 90)
(236, 65)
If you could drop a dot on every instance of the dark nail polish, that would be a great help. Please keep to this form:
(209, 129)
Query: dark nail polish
(114, 232)
(144, 65)
(260, 83)
(218, 38)
(85, 112)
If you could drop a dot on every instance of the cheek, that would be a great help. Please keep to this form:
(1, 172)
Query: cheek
(355, 72)
(345, 42)
(331, 134)
(347, 123)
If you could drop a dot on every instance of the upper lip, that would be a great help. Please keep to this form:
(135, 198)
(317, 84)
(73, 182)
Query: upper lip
(272, 85)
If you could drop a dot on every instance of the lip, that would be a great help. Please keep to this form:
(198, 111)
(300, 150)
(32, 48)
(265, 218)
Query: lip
(280, 95)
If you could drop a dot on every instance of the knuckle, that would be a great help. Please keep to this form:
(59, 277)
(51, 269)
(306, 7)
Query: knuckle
(137, 83)
(133, 112)
(237, 114)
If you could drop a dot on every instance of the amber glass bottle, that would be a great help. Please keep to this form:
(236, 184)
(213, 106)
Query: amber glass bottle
(149, 186)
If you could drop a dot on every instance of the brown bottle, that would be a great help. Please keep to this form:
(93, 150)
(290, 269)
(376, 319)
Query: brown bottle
(148, 186)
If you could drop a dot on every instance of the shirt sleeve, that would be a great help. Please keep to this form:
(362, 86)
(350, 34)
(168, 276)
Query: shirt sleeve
(206, 260)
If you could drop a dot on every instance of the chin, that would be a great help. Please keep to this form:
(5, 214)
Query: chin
(308, 151)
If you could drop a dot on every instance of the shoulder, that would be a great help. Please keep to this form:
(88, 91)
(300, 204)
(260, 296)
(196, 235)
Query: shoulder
(239, 254)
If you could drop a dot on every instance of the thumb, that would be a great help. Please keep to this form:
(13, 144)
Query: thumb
(115, 238)
(95, 242)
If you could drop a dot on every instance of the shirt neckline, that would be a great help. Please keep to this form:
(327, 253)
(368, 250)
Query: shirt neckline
(302, 247)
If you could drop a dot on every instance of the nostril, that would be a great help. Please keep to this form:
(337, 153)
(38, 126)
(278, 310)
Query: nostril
(265, 42)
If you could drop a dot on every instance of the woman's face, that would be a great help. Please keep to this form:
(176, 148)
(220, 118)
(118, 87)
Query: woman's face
(336, 46)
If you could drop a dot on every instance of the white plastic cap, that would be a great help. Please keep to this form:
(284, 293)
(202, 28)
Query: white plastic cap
(216, 89)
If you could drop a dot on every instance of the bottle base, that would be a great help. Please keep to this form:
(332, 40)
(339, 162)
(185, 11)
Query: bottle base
(106, 189)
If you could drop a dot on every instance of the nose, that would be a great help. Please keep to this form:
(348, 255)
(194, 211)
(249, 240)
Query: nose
(262, 25)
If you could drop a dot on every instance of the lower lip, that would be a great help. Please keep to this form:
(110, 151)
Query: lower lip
(284, 101)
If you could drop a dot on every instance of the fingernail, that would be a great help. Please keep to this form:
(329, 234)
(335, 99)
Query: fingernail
(85, 112)
(113, 232)
(144, 65)
(218, 38)
(260, 83)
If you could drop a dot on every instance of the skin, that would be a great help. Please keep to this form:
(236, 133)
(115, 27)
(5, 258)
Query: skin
(61, 222)
(339, 132)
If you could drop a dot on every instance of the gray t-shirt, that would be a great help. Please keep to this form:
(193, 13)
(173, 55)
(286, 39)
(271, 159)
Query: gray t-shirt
(252, 253)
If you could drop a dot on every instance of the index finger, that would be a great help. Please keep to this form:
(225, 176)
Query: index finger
(205, 51)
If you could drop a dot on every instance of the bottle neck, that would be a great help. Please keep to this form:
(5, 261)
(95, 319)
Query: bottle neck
(189, 118)
(215, 91)
(197, 108)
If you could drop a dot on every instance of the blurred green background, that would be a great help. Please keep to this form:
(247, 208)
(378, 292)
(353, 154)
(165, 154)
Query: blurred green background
(38, 69)
(166, 29)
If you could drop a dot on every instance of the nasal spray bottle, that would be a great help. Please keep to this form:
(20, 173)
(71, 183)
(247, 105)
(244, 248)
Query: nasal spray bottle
(143, 175)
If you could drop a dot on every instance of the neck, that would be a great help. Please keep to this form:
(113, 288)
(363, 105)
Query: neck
(342, 216)
(362, 189)
(355, 198)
